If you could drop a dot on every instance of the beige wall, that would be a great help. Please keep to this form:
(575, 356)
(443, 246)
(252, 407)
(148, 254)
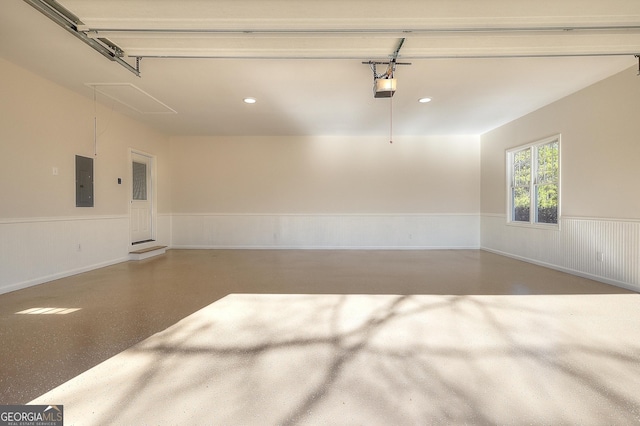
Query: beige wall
(42, 126)
(599, 230)
(600, 129)
(43, 236)
(323, 175)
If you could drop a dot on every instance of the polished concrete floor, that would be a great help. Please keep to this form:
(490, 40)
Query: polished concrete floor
(580, 339)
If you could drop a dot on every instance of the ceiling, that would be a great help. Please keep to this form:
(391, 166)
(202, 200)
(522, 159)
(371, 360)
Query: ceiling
(484, 63)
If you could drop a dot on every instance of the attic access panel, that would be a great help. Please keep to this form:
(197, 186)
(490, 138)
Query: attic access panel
(132, 97)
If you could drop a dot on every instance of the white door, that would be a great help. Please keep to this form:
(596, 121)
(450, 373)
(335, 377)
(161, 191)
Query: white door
(141, 199)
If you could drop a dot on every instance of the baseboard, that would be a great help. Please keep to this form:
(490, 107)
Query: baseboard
(626, 286)
(57, 276)
(257, 247)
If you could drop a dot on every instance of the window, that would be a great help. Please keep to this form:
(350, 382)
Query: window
(534, 183)
(139, 181)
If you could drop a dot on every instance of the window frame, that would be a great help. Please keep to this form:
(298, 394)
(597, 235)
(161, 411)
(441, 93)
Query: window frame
(533, 184)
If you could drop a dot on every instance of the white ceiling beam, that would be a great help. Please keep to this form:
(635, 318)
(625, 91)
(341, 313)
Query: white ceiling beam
(174, 27)
(375, 45)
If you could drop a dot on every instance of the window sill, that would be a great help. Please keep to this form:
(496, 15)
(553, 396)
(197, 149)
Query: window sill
(545, 226)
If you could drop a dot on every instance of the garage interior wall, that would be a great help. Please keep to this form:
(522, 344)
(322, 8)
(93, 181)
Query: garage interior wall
(309, 192)
(600, 178)
(43, 126)
(326, 192)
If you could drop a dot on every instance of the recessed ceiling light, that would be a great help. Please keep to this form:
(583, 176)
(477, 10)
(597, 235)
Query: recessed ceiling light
(424, 100)
(249, 100)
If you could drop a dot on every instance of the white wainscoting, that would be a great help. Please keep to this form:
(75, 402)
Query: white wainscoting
(573, 248)
(33, 251)
(163, 230)
(347, 231)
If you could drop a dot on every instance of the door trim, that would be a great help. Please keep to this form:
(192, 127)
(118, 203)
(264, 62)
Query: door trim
(153, 195)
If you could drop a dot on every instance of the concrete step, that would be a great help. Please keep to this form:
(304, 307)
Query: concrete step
(147, 252)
